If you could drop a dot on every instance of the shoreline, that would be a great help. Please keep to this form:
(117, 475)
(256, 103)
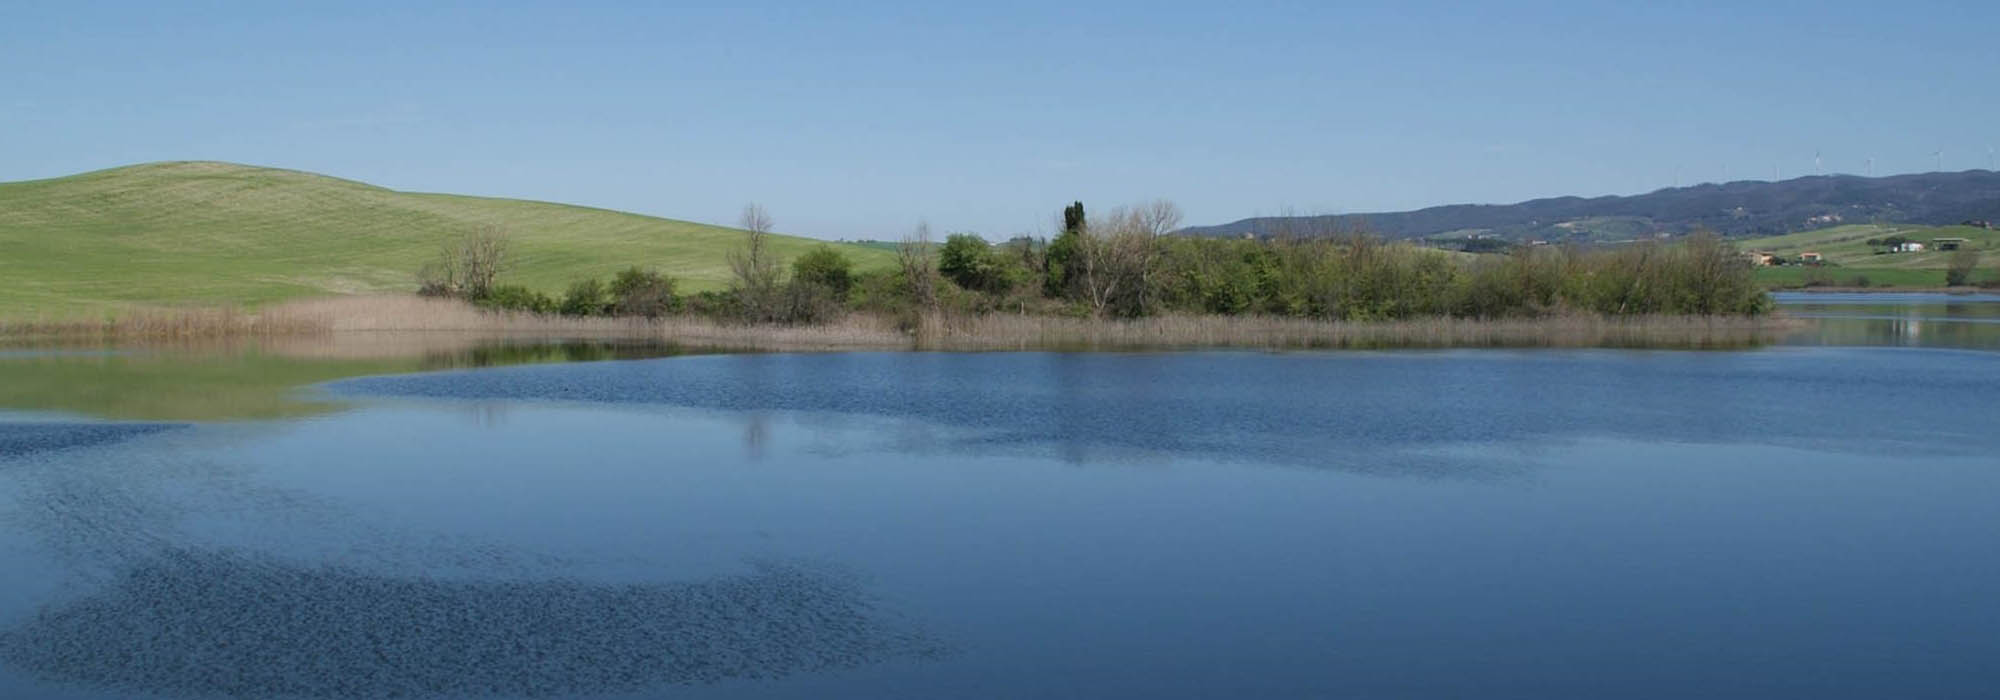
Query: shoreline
(409, 320)
(1955, 291)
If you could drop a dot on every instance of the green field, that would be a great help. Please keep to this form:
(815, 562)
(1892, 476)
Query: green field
(1849, 256)
(219, 233)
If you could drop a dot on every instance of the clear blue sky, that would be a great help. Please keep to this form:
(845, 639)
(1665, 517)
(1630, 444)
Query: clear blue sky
(857, 119)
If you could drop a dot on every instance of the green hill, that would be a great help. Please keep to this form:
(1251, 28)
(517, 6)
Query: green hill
(1849, 256)
(220, 233)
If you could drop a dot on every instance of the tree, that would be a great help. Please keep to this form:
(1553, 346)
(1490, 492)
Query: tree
(1059, 262)
(641, 292)
(826, 268)
(1116, 263)
(969, 261)
(1958, 269)
(756, 269)
(918, 262)
(467, 265)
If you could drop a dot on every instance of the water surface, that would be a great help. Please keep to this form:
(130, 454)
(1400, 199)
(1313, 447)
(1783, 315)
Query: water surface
(1808, 520)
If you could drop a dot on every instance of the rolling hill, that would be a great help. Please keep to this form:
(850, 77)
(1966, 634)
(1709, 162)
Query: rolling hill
(1743, 208)
(221, 233)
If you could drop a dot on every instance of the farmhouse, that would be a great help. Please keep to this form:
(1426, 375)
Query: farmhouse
(1910, 247)
(1948, 243)
(1761, 258)
(1811, 258)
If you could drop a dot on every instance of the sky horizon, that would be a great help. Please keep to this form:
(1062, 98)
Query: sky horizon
(862, 121)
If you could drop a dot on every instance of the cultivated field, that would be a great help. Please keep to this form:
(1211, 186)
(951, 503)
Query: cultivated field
(1849, 256)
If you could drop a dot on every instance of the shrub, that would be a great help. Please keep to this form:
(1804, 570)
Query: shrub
(514, 297)
(826, 268)
(585, 298)
(1959, 268)
(641, 292)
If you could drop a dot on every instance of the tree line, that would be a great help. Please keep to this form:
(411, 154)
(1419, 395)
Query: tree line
(1125, 264)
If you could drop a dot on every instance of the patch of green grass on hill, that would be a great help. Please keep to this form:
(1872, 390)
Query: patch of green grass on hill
(207, 233)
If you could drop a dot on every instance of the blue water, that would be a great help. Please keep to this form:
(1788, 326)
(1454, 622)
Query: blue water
(1803, 521)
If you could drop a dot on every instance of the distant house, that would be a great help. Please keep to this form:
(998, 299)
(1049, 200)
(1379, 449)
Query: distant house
(1977, 224)
(1948, 243)
(1811, 258)
(1910, 247)
(1761, 258)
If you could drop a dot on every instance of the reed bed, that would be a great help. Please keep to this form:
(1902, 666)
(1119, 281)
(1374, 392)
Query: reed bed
(381, 324)
(1022, 332)
(151, 324)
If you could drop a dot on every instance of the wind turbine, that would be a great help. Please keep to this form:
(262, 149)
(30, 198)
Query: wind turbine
(1818, 169)
(1939, 155)
(1871, 167)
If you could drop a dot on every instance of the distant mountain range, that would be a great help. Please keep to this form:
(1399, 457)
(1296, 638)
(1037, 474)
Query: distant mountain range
(1743, 208)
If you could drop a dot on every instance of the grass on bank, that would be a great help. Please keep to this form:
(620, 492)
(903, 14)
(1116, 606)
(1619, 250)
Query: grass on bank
(211, 234)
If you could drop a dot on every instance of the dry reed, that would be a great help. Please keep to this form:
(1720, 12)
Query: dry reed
(1021, 332)
(335, 322)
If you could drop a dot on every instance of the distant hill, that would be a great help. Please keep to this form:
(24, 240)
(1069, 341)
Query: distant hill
(200, 232)
(1743, 208)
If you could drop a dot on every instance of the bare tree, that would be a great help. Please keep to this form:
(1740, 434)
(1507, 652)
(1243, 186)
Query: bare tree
(1120, 255)
(754, 218)
(482, 257)
(918, 259)
(755, 266)
(467, 265)
(1157, 218)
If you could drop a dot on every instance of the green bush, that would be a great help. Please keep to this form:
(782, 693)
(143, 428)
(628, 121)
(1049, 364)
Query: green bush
(641, 292)
(826, 269)
(585, 298)
(514, 297)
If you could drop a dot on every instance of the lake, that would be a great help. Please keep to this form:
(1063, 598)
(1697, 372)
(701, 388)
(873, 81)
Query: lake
(1810, 519)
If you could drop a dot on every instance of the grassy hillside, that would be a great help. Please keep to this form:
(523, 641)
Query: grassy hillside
(219, 233)
(1846, 249)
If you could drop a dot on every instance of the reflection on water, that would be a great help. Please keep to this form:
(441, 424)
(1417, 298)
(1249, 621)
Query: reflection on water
(1967, 321)
(243, 379)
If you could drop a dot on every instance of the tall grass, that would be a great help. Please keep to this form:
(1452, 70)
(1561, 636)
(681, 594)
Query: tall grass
(348, 326)
(1021, 332)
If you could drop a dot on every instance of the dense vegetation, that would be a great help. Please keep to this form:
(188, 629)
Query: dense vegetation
(1125, 265)
(1742, 208)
